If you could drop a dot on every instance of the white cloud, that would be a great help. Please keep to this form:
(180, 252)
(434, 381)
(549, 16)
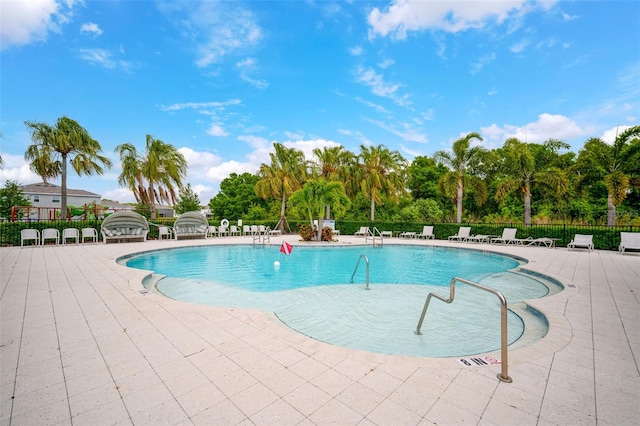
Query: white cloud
(218, 28)
(16, 168)
(105, 59)
(247, 67)
(121, 195)
(548, 126)
(200, 105)
(307, 146)
(356, 50)
(28, 21)
(406, 132)
(357, 135)
(375, 106)
(386, 63)
(519, 46)
(217, 130)
(379, 87)
(404, 16)
(477, 66)
(223, 170)
(91, 28)
(204, 193)
(610, 135)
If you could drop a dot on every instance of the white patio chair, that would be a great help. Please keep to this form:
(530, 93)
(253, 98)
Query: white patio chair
(629, 241)
(211, 231)
(29, 235)
(363, 232)
(462, 235)
(508, 237)
(581, 241)
(222, 231)
(246, 230)
(165, 232)
(70, 234)
(234, 230)
(90, 234)
(50, 234)
(427, 233)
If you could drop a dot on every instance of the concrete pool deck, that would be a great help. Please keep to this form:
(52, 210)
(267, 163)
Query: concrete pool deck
(82, 343)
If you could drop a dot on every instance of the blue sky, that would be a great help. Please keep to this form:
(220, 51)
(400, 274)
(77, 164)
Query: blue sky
(223, 80)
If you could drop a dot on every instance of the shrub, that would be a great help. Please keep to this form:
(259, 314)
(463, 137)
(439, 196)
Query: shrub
(306, 232)
(327, 234)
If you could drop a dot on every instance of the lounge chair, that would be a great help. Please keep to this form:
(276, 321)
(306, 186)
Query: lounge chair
(363, 232)
(124, 226)
(427, 233)
(190, 225)
(29, 234)
(165, 232)
(462, 235)
(70, 234)
(629, 241)
(407, 234)
(508, 237)
(479, 238)
(50, 234)
(581, 241)
(90, 234)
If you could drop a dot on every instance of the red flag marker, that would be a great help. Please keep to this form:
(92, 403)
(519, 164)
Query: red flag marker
(286, 248)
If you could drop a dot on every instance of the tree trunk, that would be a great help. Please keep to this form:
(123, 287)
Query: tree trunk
(527, 209)
(373, 209)
(327, 214)
(611, 212)
(320, 226)
(282, 211)
(152, 202)
(459, 202)
(63, 188)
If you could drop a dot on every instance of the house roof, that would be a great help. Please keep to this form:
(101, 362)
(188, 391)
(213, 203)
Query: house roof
(49, 188)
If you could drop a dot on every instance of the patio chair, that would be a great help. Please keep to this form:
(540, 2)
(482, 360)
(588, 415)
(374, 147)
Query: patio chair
(222, 231)
(407, 234)
(427, 233)
(479, 238)
(629, 241)
(90, 234)
(70, 234)
(50, 234)
(165, 231)
(246, 230)
(508, 237)
(364, 231)
(29, 234)
(581, 241)
(462, 235)
(234, 230)
(211, 231)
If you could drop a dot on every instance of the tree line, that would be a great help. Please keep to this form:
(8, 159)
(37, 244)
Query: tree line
(520, 181)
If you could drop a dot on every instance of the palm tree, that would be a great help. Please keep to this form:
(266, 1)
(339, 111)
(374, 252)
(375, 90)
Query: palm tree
(53, 147)
(612, 163)
(459, 162)
(285, 175)
(333, 165)
(156, 175)
(526, 164)
(380, 171)
(318, 193)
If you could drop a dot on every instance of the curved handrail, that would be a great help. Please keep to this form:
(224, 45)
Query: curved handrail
(504, 374)
(366, 259)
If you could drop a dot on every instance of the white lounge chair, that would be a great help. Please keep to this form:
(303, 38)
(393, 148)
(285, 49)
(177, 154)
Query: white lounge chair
(508, 237)
(479, 238)
(462, 235)
(190, 225)
(29, 235)
(363, 232)
(581, 241)
(629, 241)
(50, 234)
(427, 233)
(70, 234)
(407, 234)
(90, 234)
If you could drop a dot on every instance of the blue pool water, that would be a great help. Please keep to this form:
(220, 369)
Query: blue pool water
(311, 292)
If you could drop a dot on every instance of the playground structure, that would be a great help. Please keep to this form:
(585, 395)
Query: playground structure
(37, 214)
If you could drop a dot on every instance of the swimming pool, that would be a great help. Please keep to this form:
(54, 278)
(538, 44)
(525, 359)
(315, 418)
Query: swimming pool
(311, 293)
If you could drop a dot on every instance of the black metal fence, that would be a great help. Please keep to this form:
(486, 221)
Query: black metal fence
(604, 237)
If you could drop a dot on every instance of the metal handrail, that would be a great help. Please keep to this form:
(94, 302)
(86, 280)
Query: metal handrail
(366, 259)
(504, 374)
(372, 234)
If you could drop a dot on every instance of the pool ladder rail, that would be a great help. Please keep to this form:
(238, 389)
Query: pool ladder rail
(366, 259)
(504, 374)
(262, 235)
(377, 240)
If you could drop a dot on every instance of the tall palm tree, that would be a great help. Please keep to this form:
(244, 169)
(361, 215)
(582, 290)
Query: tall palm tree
(333, 165)
(153, 176)
(459, 162)
(526, 164)
(285, 175)
(54, 146)
(318, 193)
(380, 171)
(612, 163)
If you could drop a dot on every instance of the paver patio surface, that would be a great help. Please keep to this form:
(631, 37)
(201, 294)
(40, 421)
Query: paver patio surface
(83, 343)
